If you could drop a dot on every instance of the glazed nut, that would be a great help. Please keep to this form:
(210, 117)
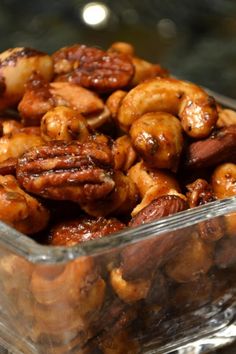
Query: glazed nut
(13, 145)
(19, 209)
(152, 194)
(49, 284)
(114, 101)
(67, 170)
(55, 284)
(64, 123)
(199, 193)
(9, 265)
(152, 183)
(84, 101)
(223, 182)
(159, 291)
(219, 147)
(141, 259)
(41, 96)
(195, 109)
(124, 153)
(213, 229)
(122, 47)
(47, 324)
(10, 126)
(157, 137)
(192, 295)
(159, 208)
(93, 68)
(81, 295)
(16, 67)
(76, 289)
(120, 201)
(145, 71)
(226, 118)
(36, 101)
(8, 167)
(111, 314)
(98, 119)
(145, 178)
(225, 255)
(83, 229)
(129, 291)
(119, 341)
(193, 260)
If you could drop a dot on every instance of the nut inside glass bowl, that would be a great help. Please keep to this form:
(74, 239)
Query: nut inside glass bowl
(117, 203)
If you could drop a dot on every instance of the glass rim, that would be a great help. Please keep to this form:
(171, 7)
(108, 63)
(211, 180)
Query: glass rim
(35, 252)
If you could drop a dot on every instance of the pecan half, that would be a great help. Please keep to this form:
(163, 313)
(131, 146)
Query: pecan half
(67, 171)
(83, 229)
(93, 68)
(219, 147)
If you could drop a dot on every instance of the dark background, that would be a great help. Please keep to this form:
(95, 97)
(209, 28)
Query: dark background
(194, 39)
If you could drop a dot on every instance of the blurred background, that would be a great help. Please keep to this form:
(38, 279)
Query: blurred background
(195, 40)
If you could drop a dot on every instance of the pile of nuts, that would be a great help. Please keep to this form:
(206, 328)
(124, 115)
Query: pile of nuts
(93, 142)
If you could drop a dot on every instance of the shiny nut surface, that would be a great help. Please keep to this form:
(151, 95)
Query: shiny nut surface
(157, 137)
(67, 171)
(16, 67)
(218, 148)
(196, 110)
(93, 68)
(19, 209)
(83, 229)
(158, 208)
(64, 123)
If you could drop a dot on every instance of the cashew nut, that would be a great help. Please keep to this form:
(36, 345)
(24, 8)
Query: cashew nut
(195, 108)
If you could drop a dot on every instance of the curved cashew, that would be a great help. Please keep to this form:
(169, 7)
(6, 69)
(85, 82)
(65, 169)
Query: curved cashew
(129, 291)
(195, 108)
(124, 153)
(147, 178)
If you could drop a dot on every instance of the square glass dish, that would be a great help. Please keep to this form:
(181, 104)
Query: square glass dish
(157, 288)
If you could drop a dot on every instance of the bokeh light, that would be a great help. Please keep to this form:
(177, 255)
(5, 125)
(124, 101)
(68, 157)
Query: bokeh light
(95, 14)
(167, 28)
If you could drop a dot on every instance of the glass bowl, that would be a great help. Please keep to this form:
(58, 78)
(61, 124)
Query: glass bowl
(157, 288)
